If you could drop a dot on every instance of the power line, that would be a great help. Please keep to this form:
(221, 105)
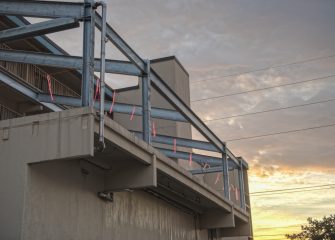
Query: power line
(288, 189)
(278, 133)
(261, 69)
(297, 191)
(261, 89)
(270, 110)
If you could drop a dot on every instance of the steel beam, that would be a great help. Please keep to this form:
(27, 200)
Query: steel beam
(241, 183)
(87, 82)
(25, 91)
(161, 86)
(225, 166)
(207, 170)
(183, 142)
(146, 104)
(121, 44)
(63, 61)
(37, 29)
(201, 159)
(118, 107)
(42, 9)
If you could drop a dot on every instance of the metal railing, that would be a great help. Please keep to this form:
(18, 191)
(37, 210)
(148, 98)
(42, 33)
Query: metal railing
(6, 113)
(35, 76)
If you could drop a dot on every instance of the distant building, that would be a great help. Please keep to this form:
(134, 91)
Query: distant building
(55, 184)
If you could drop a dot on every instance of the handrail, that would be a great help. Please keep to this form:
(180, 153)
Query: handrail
(35, 76)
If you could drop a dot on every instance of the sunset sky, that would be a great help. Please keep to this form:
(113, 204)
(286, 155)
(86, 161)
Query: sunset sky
(217, 38)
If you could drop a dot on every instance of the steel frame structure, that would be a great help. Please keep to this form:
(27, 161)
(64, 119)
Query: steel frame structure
(65, 16)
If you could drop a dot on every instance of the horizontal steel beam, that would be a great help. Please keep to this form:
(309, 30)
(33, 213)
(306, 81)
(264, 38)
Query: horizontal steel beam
(161, 86)
(70, 62)
(182, 142)
(51, 26)
(207, 170)
(117, 107)
(201, 159)
(25, 91)
(42, 9)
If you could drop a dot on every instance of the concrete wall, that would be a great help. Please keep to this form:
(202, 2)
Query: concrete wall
(61, 203)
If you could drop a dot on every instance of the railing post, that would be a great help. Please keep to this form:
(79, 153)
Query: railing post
(146, 104)
(225, 172)
(88, 54)
(241, 183)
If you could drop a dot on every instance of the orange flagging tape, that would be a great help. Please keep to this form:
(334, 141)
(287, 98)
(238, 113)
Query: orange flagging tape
(132, 113)
(217, 178)
(190, 160)
(153, 129)
(97, 90)
(113, 101)
(50, 87)
(174, 145)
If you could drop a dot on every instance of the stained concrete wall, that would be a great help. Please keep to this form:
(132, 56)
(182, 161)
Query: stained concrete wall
(61, 203)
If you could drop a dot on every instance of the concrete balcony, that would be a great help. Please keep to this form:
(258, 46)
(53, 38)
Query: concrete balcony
(63, 188)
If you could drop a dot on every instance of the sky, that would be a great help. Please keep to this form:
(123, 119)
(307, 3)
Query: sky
(217, 38)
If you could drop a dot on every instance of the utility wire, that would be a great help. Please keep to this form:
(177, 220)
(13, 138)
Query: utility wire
(288, 189)
(278, 133)
(259, 112)
(261, 89)
(297, 191)
(270, 110)
(261, 69)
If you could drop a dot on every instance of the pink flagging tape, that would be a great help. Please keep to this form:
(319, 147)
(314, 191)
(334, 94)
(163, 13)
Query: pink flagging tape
(50, 87)
(97, 90)
(174, 145)
(153, 129)
(132, 113)
(217, 178)
(113, 101)
(190, 160)
(236, 193)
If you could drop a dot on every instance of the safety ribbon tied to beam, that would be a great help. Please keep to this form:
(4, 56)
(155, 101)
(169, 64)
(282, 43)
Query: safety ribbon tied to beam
(50, 87)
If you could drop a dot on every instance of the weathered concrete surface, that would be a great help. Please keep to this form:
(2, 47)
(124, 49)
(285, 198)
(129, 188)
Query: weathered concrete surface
(58, 199)
(61, 203)
(60, 135)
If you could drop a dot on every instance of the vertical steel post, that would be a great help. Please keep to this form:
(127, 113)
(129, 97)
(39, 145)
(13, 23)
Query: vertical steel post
(88, 54)
(102, 77)
(241, 183)
(225, 172)
(146, 104)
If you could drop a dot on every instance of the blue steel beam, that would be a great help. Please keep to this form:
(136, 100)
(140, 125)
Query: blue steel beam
(161, 86)
(146, 104)
(208, 170)
(182, 142)
(70, 62)
(201, 159)
(42, 9)
(25, 91)
(87, 82)
(118, 107)
(51, 26)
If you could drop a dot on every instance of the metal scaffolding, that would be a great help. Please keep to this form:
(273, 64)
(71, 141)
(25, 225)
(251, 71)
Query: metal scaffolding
(65, 16)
